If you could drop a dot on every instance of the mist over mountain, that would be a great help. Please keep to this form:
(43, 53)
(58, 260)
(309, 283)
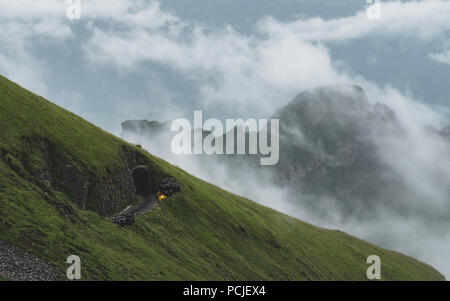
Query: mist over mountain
(338, 112)
(335, 144)
(346, 161)
(328, 144)
(69, 187)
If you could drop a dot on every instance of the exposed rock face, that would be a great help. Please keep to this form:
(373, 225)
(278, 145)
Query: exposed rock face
(169, 186)
(43, 174)
(39, 162)
(115, 191)
(74, 183)
(145, 187)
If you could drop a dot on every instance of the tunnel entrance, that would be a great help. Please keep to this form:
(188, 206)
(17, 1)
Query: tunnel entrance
(142, 180)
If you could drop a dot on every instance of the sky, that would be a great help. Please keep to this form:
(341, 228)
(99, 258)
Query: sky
(161, 60)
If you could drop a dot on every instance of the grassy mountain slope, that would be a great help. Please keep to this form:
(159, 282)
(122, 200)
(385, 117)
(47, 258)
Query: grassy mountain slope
(202, 233)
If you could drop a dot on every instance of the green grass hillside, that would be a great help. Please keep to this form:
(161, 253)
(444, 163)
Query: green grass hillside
(202, 233)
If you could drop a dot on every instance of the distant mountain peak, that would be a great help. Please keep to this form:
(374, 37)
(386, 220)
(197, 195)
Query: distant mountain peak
(351, 96)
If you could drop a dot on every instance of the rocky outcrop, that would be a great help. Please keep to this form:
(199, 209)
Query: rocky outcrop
(143, 184)
(76, 185)
(114, 191)
(169, 186)
(39, 162)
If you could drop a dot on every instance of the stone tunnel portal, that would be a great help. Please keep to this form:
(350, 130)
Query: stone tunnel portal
(142, 180)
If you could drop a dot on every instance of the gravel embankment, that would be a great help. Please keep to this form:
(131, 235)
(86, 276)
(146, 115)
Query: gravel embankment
(17, 265)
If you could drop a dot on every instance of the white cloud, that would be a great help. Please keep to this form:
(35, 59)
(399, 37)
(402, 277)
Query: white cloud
(138, 12)
(417, 19)
(26, 23)
(244, 70)
(250, 71)
(274, 62)
(16, 61)
(31, 9)
(443, 57)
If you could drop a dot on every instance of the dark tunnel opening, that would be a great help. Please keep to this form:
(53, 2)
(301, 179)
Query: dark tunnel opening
(141, 179)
